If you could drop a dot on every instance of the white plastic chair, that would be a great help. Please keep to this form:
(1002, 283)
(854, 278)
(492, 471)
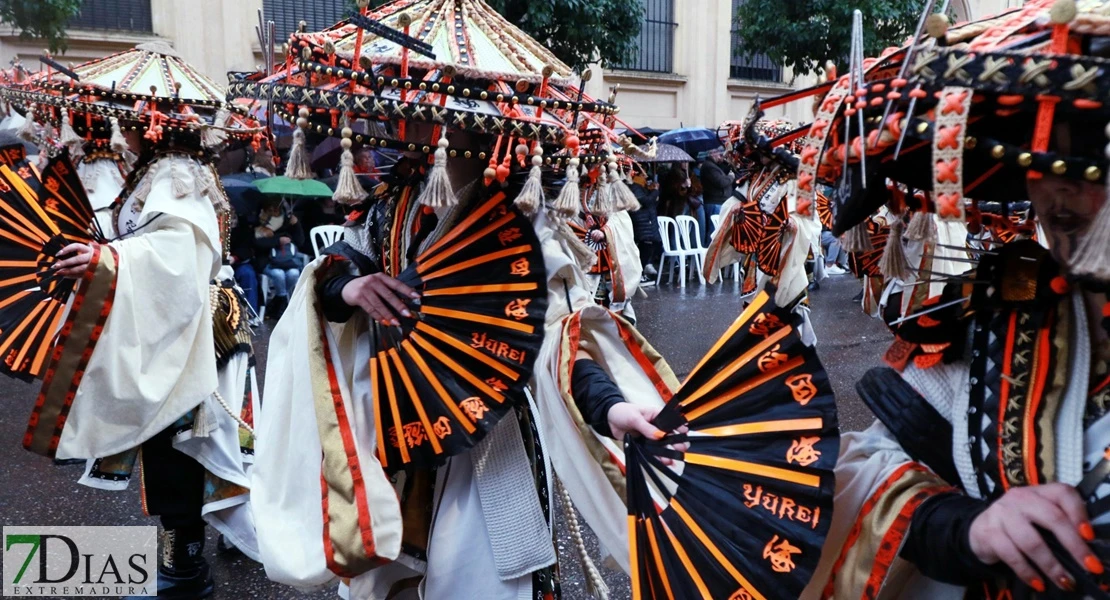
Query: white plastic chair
(716, 221)
(324, 236)
(674, 248)
(690, 233)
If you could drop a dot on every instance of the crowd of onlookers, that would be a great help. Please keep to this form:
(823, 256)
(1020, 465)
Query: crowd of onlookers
(699, 191)
(679, 189)
(274, 243)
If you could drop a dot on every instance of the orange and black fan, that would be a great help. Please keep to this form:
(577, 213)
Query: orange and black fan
(742, 512)
(769, 254)
(824, 211)
(36, 222)
(866, 264)
(445, 377)
(747, 228)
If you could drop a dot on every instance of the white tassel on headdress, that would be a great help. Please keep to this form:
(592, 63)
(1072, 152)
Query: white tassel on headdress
(602, 202)
(118, 143)
(922, 227)
(623, 198)
(595, 585)
(894, 264)
(569, 199)
(437, 190)
(348, 190)
(530, 198)
(214, 136)
(29, 131)
(1092, 257)
(857, 239)
(69, 138)
(300, 167)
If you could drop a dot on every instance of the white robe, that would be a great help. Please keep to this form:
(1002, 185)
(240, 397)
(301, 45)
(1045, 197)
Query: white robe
(155, 359)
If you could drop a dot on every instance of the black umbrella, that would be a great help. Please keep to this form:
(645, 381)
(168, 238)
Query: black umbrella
(443, 378)
(694, 140)
(744, 511)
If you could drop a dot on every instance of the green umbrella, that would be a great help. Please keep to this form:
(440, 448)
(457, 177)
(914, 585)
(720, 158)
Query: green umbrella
(284, 186)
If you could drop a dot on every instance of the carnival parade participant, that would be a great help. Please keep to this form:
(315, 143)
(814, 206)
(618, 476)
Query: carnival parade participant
(152, 366)
(985, 473)
(471, 519)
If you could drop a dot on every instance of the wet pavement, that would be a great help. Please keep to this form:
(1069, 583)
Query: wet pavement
(681, 323)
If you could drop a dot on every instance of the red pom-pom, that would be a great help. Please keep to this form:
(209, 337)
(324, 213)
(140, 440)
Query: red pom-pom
(572, 142)
(1106, 310)
(1060, 285)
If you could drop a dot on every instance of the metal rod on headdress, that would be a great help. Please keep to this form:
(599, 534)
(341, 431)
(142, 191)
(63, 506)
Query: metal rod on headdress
(929, 6)
(585, 76)
(45, 59)
(397, 37)
(260, 31)
(913, 95)
(271, 37)
(857, 47)
(930, 310)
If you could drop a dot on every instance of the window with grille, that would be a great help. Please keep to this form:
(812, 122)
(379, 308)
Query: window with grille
(758, 67)
(120, 15)
(655, 44)
(319, 14)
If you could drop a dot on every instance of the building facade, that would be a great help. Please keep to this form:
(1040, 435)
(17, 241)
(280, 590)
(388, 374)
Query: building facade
(686, 73)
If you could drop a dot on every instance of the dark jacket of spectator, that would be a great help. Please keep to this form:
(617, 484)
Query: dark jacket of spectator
(314, 213)
(716, 184)
(644, 225)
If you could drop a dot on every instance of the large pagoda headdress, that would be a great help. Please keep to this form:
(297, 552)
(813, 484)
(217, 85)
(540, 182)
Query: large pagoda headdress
(415, 75)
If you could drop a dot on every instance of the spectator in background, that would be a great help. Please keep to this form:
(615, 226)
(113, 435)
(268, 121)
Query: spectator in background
(695, 203)
(242, 261)
(276, 238)
(836, 259)
(315, 212)
(645, 228)
(717, 182)
(674, 192)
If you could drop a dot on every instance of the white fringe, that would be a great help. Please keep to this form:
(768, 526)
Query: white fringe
(348, 190)
(569, 200)
(300, 166)
(437, 189)
(531, 197)
(69, 138)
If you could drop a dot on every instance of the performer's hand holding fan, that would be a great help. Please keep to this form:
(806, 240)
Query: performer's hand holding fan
(37, 220)
(743, 512)
(446, 376)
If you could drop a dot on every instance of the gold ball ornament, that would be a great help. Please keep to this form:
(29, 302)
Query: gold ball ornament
(936, 25)
(1062, 12)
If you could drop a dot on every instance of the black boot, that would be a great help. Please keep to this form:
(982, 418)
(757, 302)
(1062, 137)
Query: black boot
(183, 574)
